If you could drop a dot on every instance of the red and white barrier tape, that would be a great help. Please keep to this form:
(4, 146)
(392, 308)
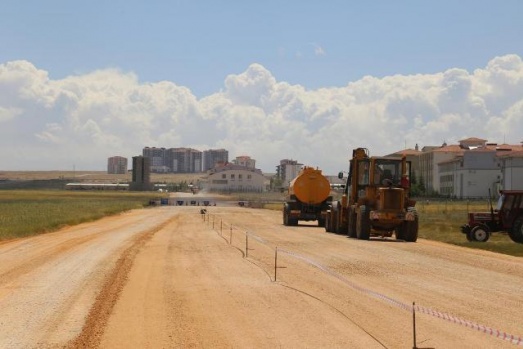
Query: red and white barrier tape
(518, 340)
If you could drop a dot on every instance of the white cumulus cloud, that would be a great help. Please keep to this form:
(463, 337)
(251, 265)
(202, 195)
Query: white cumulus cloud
(83, 119)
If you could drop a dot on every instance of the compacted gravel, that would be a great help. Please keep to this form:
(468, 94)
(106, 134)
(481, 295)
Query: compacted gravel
(172, 277)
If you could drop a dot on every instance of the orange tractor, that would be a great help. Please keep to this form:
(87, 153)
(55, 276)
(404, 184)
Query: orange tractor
(376, 200)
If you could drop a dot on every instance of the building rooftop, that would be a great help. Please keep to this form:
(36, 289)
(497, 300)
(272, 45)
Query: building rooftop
(473, 140)
(453, 148)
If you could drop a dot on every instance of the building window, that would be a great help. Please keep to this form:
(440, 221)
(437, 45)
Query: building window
(232, 176)
(224, 176)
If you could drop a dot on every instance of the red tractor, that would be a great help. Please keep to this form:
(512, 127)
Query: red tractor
(507, 217)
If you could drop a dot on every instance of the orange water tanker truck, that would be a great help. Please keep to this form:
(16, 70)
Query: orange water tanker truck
(308, 198)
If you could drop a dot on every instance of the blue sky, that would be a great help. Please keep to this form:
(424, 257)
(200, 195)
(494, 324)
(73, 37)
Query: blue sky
(312, 43)
(85, 80)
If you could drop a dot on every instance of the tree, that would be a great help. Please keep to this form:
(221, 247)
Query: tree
(417, 189)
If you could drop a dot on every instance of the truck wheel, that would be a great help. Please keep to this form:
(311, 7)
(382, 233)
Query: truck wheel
(516, 233)
(286, 214)
(351, 231)
(480, 233)
(328, 222)
(334, 221)
(363, 224)
(321, 222)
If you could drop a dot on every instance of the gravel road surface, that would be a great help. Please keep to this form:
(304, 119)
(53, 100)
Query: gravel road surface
(170, 277)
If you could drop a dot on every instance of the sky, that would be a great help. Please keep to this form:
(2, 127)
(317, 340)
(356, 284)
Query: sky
(81, 81)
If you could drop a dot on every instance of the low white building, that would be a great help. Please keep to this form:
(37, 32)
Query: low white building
(234, 178)
(512, 170)
(475, 173)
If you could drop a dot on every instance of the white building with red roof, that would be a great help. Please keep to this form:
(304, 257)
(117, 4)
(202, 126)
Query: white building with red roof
(471, 168)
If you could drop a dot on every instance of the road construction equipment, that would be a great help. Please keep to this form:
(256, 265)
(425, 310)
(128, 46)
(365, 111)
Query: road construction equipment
(376, 200)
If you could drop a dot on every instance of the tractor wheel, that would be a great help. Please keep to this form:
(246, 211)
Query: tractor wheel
(516, 233)
(399, 232)
(411, 230)
(363, 224)
(411, 227)
(352, 223)
(480, 233)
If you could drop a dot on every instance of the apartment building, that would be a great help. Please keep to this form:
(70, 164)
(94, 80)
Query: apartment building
(157, 158)
(287, 170)
(175, 160)
(213, 158)
(184, 160)
(117, 165)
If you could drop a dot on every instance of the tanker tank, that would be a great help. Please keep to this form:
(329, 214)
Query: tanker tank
(308, 197)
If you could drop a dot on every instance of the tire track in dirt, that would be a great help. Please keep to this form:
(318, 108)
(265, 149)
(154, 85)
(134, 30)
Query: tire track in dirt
(101, 310)
(57, 247)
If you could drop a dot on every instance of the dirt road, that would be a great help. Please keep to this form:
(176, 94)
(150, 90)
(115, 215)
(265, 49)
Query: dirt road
(168, 277)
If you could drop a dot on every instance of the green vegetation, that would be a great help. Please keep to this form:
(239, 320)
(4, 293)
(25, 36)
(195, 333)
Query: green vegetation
(30, 212)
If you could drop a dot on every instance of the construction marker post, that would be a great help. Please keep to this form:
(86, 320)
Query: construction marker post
(230, 238)
(221, 226)
(275, 262)
(246, 245)
(213, 222)
(414, 324)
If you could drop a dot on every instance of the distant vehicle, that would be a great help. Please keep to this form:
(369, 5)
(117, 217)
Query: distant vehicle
(506, 218)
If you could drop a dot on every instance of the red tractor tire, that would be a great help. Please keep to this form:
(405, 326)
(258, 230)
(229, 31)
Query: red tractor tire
(479, 233)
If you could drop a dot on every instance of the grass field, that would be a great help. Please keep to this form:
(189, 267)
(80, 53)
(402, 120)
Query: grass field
(24, 213)
(441, 221)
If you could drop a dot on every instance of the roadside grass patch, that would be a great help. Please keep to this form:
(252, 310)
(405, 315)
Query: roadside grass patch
(27, 212)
